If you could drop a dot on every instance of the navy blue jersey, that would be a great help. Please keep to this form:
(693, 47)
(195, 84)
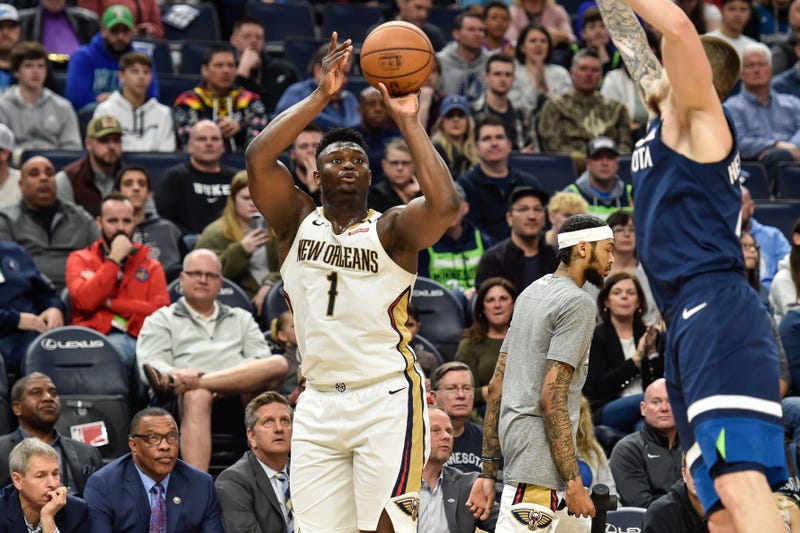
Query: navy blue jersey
(687, 216)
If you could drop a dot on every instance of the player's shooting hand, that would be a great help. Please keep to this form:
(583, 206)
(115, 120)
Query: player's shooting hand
(579, 502)
(400, 108)
(333, 75)
(481, 498)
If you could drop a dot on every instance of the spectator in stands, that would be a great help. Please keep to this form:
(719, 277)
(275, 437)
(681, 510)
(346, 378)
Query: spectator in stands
(303, 160)
(453, 260)
(9, 36)
(645, 464)
(400, 185)
(454, 135)
(89, 179)
(430, 98)
(590, 452)
(38, 499)
(499, 78)
(427, 360)
(149, 487)
(191, 194)
(489, 184)
(545, 12)
(594, 34)
(494, 304)
(625, 354)
(784, 292)
(497, 18)
(705, 16)
(784, 49)
(9, 177)
(752, 264)
(48, 228)
(679, 509)
(256, 71)
(93, 68)
(284, 339)
(162, 237)
(773, 18)
(146, 124)
(571, 120)
(239, 113)
(416, 12)
(524, 256)
(735, 14)
(463, 59)
(618, 86)
(771, 241)
(377, 129)
(254, 492)
(445, 490)
(453, 389)
(147, 14)
(61, 29)
(341, 111)
(562, 206)
(788, 81)
(113, 284)
(767, 122)
(536, 78)
(30, 305)
(37, 406)
(39, 118)
(198, 349)
(247, 249)
(600, 185)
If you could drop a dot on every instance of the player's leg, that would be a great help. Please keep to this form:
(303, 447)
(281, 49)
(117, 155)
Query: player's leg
(195, 410)
(746, 495)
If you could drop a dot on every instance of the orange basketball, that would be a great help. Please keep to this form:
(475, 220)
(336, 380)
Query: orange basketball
(398, 54)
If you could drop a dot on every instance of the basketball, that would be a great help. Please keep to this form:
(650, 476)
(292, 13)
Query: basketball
(398, 54)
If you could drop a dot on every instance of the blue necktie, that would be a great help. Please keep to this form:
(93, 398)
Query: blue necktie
(287, 495)
(158, 510)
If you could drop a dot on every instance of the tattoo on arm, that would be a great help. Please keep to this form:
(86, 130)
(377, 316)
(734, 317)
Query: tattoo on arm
(491, 436)
(631, 42)
(556, 418)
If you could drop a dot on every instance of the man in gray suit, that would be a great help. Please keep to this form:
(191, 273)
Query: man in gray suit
(35, 402)
(445, 490)
(257, 476)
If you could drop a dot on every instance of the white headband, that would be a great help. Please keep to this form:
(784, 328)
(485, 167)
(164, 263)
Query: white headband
(571, 238)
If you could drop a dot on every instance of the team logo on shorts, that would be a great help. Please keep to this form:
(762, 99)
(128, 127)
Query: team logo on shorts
(409, 506)
(533, 519)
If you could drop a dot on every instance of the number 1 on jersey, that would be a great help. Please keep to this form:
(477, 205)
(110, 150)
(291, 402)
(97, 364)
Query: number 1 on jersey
(333, 277)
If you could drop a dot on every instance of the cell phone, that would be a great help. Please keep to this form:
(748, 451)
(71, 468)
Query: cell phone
(258, 222)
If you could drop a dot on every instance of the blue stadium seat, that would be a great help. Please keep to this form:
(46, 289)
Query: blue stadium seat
(624, 171)
(59, 158)
(443, 17)
(283, 21)
(170, 86)
(441, 314)
(625, 519)
(5, 408)
(350, 21)
(91, 379)
(356, 84)
(555, 171)
(780, 214)
(156, 163)
(233, 159)
(756, 180)
(205, 26)
(299, 50)
(192, 52)
(160, 52)
(428, 345)
(274, 304)
(789, 180)
(230, 294)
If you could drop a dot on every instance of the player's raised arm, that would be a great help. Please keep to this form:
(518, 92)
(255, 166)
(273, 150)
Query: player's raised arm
(270, 182)
(424, 220)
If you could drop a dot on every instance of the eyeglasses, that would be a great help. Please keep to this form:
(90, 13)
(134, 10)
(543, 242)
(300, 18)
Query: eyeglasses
(154, 439)
(399, 163)
(195, 275)
(623, 229)
(750, 247)
(452, 389)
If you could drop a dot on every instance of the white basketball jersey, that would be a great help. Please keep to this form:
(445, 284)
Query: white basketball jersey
(349, 300)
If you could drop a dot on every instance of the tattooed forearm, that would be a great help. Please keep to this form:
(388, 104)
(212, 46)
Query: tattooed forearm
(632, 44)
(491, 437)
(556, 418)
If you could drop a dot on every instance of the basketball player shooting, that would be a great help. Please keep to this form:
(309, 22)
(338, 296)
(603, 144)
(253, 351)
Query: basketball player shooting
(722, 363)
(359, 439)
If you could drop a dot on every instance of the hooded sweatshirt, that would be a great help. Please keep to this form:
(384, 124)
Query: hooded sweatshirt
(600, 204)
(459, 76)
(149, 128)
(48, 124)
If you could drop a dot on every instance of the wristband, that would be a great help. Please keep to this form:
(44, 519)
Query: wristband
(487, 476)
(485, 458)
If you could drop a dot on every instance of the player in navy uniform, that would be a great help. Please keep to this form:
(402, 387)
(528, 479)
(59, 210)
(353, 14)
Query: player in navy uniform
(722, 363)
(358, 443)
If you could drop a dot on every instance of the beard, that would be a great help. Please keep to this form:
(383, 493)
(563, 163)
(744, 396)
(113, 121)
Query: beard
(109, 239)
(594, 272)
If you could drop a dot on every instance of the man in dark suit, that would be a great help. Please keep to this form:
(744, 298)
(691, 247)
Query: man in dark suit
(37, 496)
(256, 477)
(445, 490)
(150, 489)
(35, 402)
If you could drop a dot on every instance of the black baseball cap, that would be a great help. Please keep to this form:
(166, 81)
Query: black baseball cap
(601, 144)
(522, 192)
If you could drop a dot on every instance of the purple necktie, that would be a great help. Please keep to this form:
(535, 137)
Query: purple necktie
(158, 510)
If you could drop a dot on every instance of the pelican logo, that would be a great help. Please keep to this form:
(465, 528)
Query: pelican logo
(409, 506)
(533, 519)
(52, 344)
(390, 62)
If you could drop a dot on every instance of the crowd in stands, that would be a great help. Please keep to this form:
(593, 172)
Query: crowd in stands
(141, 254)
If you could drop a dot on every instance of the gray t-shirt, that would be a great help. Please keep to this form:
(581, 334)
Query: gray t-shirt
(553, 319)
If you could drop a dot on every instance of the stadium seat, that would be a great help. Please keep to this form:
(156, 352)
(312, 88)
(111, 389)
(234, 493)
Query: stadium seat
(356, 84)
(428, 345)
(274, 304)
(93, 384)
(204, 26)
(156, 163)
(441, 314)
(160, 53)
(230, 294)
(299, 50)
(192, 52)
(283, 21)
(624, 171)
(351, 21)
(443, 17)
(233, 159)
(625, 519)
(59, 158)
(170, 86)
(780, 214)
(789, 181)
(555, 171)
(756, 180)
(5, 406)
(65, 299)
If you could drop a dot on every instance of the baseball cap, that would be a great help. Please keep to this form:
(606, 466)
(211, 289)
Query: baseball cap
(454, 101)
(6, 138)
(118, 14)
(522, 192)
(8, 12)
(103, 125)
(600, 144)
